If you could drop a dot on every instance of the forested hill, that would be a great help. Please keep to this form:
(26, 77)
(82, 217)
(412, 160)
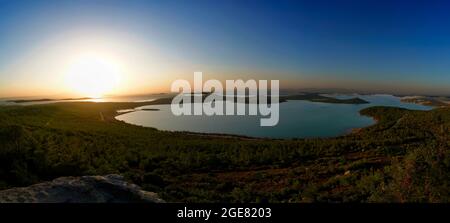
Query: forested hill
(405, 157)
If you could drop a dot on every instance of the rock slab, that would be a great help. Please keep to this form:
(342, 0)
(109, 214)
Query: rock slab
(85, 189)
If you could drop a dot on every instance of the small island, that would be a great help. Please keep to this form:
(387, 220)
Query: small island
(437, 101)
(312, 97)
(149, 109)
(316, 97)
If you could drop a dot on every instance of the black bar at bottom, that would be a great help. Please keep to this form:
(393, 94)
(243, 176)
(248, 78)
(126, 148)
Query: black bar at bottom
(224, 212)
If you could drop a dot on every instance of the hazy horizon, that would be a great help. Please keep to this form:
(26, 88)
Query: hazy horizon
(96, 48)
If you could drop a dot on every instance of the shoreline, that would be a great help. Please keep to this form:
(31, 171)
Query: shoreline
(246, 137)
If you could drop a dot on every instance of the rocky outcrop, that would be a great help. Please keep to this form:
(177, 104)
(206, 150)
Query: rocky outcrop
(86, 189)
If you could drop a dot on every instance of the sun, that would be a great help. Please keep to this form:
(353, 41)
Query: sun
(93, 76)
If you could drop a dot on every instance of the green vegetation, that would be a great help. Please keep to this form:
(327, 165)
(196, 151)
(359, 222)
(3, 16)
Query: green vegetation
(405, 157)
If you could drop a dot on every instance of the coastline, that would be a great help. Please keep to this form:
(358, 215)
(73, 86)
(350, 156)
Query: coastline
(181, 162)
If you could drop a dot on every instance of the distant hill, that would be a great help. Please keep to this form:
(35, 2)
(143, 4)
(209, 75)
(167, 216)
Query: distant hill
(320, 98)
(47, 99)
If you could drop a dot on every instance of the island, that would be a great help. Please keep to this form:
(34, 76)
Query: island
(436, 101)
(315, 97)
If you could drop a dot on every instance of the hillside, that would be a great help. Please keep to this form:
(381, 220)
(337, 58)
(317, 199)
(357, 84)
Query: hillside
(405, 157)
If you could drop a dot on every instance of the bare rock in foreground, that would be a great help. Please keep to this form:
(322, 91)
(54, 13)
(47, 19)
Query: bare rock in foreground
(86, 189)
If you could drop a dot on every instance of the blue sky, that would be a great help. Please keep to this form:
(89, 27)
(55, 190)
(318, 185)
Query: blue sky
(379, 45)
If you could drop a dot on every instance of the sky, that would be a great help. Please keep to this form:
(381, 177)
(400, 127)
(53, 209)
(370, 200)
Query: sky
(380, 46)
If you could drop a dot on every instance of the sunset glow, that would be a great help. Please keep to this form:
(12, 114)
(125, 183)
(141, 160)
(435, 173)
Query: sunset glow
(244, 103)
(93, 76)
(67, 48)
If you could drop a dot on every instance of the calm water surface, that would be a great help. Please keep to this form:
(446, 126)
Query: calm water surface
(298, 119)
